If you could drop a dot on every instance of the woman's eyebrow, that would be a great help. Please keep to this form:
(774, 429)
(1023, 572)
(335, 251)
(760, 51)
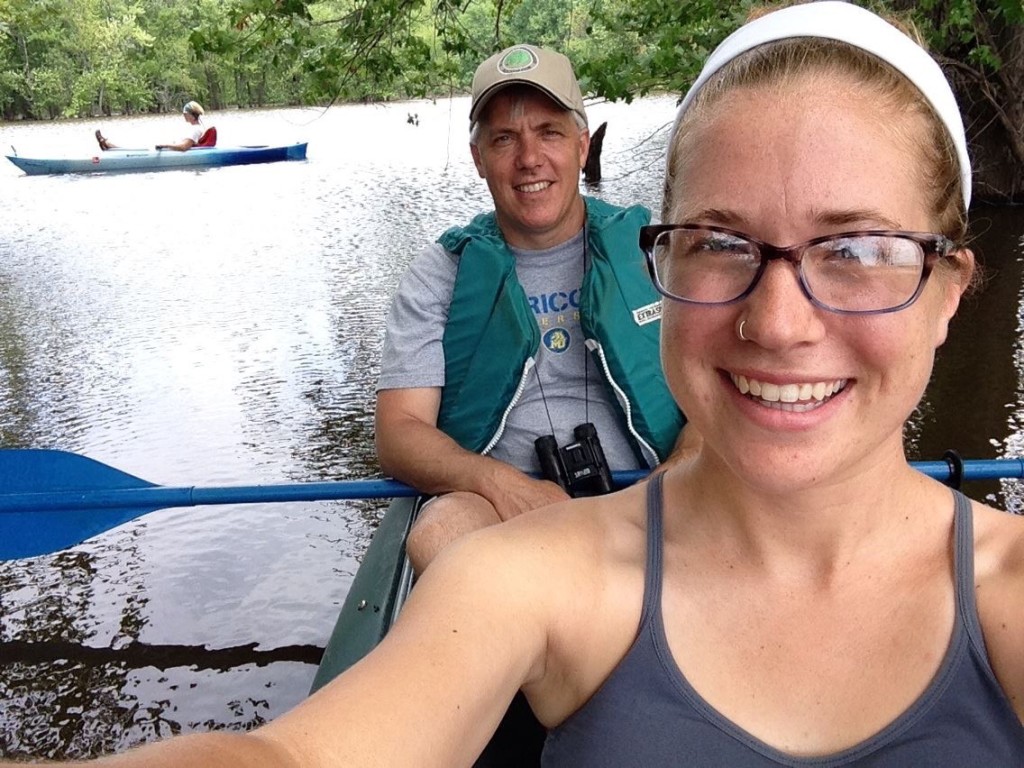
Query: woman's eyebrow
(718, 216)
(832, 218)
(856, 216)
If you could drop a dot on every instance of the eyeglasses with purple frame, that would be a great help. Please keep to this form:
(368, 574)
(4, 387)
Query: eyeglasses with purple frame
(932, 247)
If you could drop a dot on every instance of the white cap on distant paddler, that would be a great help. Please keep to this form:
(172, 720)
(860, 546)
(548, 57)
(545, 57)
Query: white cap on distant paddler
(544, 69)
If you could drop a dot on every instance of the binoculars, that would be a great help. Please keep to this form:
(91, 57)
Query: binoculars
(579, 467)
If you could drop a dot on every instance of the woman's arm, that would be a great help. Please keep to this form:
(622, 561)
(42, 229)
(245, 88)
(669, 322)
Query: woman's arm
(431, 694)
(999, 576)
(436, 688)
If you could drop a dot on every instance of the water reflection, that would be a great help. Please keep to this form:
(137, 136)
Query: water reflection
(975, 397)
(224, 326)
(1008, 228)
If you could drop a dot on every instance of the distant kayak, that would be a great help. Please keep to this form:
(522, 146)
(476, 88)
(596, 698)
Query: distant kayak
(125, 160)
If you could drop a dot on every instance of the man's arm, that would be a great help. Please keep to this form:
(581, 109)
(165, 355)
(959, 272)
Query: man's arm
(412, 449)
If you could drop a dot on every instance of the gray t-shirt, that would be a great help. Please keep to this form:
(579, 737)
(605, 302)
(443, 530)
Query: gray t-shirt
(565, 377)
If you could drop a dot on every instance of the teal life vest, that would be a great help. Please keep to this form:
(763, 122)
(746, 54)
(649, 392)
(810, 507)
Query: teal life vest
(491, 336)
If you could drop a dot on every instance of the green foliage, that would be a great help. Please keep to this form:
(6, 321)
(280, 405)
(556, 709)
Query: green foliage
(972, 31)
(82, 57)
(638, 47)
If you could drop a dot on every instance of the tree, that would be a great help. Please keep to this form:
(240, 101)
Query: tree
(77, 57)
(36, 61)
(103, 46)
(980, 44)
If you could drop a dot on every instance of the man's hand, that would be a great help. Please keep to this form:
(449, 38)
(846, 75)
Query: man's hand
(472, 491)
(516, 493)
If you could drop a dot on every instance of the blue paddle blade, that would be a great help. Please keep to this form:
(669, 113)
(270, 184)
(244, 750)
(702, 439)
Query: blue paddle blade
(50, 485)
(51, 500)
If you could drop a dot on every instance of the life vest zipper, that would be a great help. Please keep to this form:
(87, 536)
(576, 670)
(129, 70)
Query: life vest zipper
(650, 454)
(527, 367)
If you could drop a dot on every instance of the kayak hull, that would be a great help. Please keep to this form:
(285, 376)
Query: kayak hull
(375, 597)
(372, 605)
(136, 160)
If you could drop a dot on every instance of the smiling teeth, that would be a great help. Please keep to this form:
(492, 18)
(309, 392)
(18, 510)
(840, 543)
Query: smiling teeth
(799, 397)
(537, 186)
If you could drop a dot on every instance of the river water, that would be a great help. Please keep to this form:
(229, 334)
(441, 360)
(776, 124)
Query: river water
(223, 326)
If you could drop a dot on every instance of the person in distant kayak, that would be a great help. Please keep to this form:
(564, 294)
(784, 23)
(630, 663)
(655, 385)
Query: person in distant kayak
(529, 321)
(199, 136)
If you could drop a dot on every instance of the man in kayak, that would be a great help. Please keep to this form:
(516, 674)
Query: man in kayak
(199, 136)
(488, 334)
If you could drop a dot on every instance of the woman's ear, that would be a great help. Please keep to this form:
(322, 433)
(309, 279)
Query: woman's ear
(963, 260)
(956, 280)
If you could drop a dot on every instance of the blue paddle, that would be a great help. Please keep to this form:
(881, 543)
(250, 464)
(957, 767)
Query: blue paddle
(51, 500)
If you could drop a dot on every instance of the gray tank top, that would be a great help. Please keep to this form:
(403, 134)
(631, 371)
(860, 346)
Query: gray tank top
(647, 715)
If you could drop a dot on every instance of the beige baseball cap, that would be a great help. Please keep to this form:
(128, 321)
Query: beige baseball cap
(546, 70)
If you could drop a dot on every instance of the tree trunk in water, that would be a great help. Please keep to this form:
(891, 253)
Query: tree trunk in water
(592, 168)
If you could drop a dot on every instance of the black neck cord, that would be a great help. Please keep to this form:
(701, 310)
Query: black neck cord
(586, 358)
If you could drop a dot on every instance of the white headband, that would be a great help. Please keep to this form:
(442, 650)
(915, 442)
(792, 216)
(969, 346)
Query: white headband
(848, 23)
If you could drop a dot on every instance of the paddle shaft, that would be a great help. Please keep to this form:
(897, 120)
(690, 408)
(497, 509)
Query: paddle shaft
(158, 497)
(51, 500)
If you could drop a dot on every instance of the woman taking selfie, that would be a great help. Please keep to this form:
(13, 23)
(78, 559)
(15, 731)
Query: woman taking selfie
(796, 594)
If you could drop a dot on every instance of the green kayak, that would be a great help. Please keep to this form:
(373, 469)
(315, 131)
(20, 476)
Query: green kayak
(376, 597)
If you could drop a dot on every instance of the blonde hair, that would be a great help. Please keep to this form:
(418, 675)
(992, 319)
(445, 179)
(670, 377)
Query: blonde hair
(194, 108)
(782, 62)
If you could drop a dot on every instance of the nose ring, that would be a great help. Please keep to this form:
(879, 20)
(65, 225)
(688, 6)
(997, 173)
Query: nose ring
(739, 331)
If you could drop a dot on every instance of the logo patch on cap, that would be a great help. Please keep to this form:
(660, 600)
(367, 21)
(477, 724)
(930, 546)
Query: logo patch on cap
(517, 60)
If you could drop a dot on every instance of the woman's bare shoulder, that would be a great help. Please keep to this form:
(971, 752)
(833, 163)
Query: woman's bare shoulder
(561, 541)
(559, 572)
(999, 552)
(998, 542)
(480, 624)
(999, 582)
(583, 527)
